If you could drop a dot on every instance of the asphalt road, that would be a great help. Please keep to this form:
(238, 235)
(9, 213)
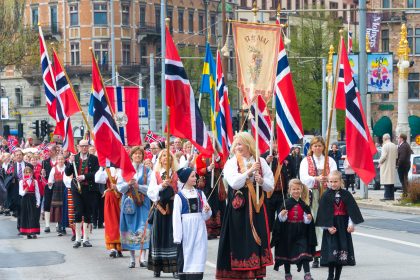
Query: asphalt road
(387, 246)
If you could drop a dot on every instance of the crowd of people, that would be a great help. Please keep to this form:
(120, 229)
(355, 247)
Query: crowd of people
(179, 199)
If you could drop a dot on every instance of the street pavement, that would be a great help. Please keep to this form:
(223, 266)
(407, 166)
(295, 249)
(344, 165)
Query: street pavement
(387, 246)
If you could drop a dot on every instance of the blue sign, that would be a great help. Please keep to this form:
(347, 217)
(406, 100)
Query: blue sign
(143, 108)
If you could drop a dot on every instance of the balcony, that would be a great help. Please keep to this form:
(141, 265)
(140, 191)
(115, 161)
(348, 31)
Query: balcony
(51, 31)
(392, 17)
(148, 31)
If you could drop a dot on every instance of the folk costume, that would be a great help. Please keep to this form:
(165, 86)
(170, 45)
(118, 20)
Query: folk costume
(163, 250)
(294, 236)
(217, 200)
(29, 218)
(244, 246)
(86, 165)
(112, 210)
(48, 164)
(310, 167)
(337, 208)
(56, 178)
(135, 232)
(189, 229)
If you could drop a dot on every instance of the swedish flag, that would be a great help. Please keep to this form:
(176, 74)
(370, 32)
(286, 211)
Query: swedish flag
(208, 86)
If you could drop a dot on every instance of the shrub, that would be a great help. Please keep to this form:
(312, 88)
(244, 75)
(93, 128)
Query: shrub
(413, 191)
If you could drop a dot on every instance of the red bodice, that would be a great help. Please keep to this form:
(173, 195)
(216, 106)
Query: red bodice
(30, 188)
(295, 215)
(339, 208)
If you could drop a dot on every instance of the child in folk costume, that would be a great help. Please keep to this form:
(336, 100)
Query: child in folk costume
(112, 210)
(29, 218)
(294, 232)
(338, 213)
(191, 210)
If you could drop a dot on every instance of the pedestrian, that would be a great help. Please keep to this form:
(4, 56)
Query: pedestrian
(56, 184)
(134, 228)
(387, 166)
(314, 176)
(403, 161)
(162, 189)
(294, 236)
(244, 247)
(350, 176)
(47, 165)
(295, 158)
(338, 214)
(335, 153)
(29, 218)
(191, 210)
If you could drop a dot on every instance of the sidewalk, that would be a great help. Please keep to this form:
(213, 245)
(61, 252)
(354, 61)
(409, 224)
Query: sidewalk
(374, 202)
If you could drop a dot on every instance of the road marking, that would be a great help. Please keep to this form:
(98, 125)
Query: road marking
(210, 264)
(388, 239)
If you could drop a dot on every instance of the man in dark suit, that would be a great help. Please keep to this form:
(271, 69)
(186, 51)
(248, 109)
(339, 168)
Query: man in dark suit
(47, 165)
(13, 196)
(83, 167)
(403, 161)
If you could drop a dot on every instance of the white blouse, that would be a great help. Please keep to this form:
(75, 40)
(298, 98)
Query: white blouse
(23, 192)
(304, 176)
(51, 180)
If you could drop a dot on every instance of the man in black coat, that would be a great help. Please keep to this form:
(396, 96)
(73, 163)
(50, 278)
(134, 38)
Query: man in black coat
(83, 167)
(403, 161)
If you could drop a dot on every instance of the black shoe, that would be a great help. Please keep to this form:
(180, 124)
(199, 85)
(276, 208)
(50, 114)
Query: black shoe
(120, 255)
(101, 226)
(73, 238)
(87, 244)
(156, 274)
(95, 226)
(143, 264)
(175, 275)
(77, 244)
(59, 233)
(47, 230)
(132, 265)
(34, 236)
(315, 264)
(7, 213)
(63, 231)
(14, 214)
(29, 236)
(113, 254)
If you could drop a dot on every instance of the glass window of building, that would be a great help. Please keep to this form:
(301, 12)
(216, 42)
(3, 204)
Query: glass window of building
(200, 23)
(101, 52)
(413, 85)
(126, 53)
(34, 13)
(143, 16)
(53, 19)
(19, 96)
(385, 40)
(125, 14)
(100, 14)
(74, 53)
(191, 21)
(180, 20)
(74, 14)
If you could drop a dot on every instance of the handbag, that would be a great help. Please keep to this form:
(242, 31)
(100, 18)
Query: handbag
(129, 208)
(238, 200)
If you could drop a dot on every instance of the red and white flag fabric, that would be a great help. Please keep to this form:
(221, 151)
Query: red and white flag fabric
(360, 147)
(107, 139)
(151, 137)
(125, 104)
(185, 116)
(66, 103)
(65, 130)
(288, 122)
(47, 77)
(264, 124)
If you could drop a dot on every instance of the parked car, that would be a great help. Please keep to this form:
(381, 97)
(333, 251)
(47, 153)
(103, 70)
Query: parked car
(376, 182)
(414, 173)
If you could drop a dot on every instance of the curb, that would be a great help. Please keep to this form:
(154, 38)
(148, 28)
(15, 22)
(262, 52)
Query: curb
(392, 208)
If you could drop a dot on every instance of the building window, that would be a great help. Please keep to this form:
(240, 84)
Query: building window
(413, 85)
(417, 41)
(200, 23)
(413, 3)
(74, 15)
(180, 20)
(305, 4)
(289, 4)
(2, 91)
(37, 100)
(19, 96)
(243, 3)
(100, 14)
(413, 38)
(352, 14)
(191, 21)
(297, 5)
(385, 40)
(157, 18)
(143, 16)
(54, 23)
(345, 13)
(213, 25)
(74, 53)
(386, 3)
(385, 96)
(126, 53)
(125, 15)
(34, 16)
(170, 14)
(264, 4)
(143, 54)
(101, 54)
(334, 6)
(410, 39)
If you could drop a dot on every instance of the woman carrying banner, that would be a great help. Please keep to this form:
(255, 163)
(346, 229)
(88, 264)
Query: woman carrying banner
(135, 233)
(311, 173)
(162, 189)
(244, 247)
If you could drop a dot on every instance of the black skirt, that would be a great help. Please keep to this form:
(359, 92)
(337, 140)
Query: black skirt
(338, 248)
(239, 256)
(163, 250)
(57, 202)
(29, 218)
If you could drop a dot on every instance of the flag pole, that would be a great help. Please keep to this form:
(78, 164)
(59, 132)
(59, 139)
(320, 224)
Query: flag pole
(168, 123)
(334, 92)
(75, 96)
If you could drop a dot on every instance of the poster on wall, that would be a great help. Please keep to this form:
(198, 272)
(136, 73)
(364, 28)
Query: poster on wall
(380, 73)
(354, 64)
(4, 107)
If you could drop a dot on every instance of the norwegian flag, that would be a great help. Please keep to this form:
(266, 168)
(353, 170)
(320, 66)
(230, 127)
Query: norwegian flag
(151, 137)
(350, 41)
(13, 143)
(288, 121)
(47, 77)
(64, 129)
(225, 114)
(264, 121)
(108, 142)
(66, 103)
(181, 102)
(360, 147)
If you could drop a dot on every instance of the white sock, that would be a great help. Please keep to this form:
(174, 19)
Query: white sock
(143, 256)
(47, 219)
(132, 256)
(78, 232)
(85, 232)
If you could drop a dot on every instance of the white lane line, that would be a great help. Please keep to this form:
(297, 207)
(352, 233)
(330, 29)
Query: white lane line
(210, 264)
(388, 239)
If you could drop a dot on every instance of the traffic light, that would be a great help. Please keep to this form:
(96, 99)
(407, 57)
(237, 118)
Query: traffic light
(20, 130)
(36, 128)
(44, 128)
(6, 131)
(50, 129)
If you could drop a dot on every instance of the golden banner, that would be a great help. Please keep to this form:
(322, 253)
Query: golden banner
(256, 48)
